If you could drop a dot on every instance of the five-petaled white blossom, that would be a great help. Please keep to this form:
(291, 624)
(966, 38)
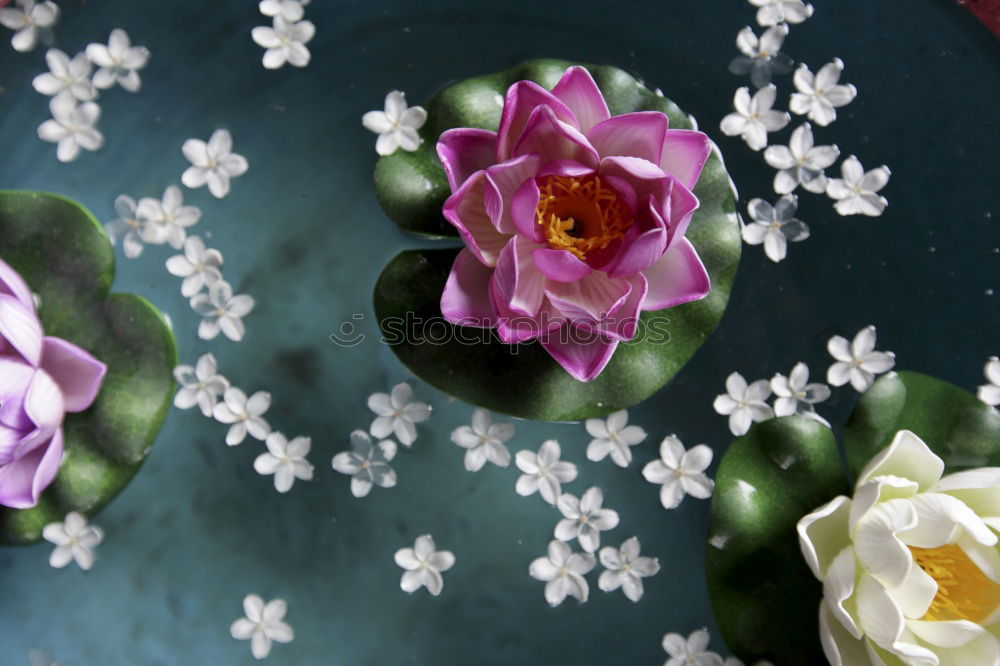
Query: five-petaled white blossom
(744, 404)
(690, 651)
(167, 220)
(625, 569)
(127, 227)
(754, 117)
(27, 20)
(857, 361)
(199, 266)
(543, 472)
(74, 540)
(71, 126)
(773, 12)
(774, 226)
(761, 58)
(367, 463)
(201, 385)
(563, 573)
(680, 472)
(397, 126)
(118, 62)
(613, 437)
(290, 10)
(800, 162)
(65, 74)
(857, 192)
(213, 162)
(484, 440)
(397, 413)
(221, 311)
(585, 518)
(424, 565)
(286, 460)
(285, 41)
(245, 414)
(990, 392)
(795, 395)
(262, 625)
(819, 96)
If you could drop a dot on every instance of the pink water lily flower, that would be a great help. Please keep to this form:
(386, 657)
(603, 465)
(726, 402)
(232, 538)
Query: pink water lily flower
(573, 221)
(41, 378)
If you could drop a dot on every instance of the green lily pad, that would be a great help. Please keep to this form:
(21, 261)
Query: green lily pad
(63, 253)
(523, 380)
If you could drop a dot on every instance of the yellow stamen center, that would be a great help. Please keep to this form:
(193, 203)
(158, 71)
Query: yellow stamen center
(581, 215)
(964, 591)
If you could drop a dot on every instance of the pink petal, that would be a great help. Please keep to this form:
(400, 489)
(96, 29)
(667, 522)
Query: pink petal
(12, 283)
(683, 203)
(583, 354)
(19, 326)
(560, 265)
(17, 376)
(684, 155)
(522, 99)
(580, 93)
(553, 139)
(518, 282)
(466, 210)
(637, 134)
(590, 299)
(677, 277)
(624, 324)
(645, 178)
(504, 181)
(645, 242)
(524, 210)
(567, 168)
(465, 151)
(513, 327)
(466, 297)
(23, 480)
(75, 370)
(43, 402)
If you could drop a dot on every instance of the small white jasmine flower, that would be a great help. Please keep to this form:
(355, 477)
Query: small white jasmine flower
(754, 118)
(625, 569)
(692, 651)
(27, 20)
(65, 74)
(221, 311)
(74, 540)
(71, 126)
(290, 10)
(397, 413)
(680, 472)
(214, 163)
(543, 472)
(424, 565)
(367, 464)
(201, 385)
(118, 62)
(990, 392)
(167, 220)
(774, 226)
(613, 437)
(127, 226)
(796, 396)
(484, 440)
(773, 12)
(744, 404)
(245, 414)
(563, 573)
(762, 58)
(199, 266)
(262, 625)
(800, 162)
(818, 96)
(857, 361)
(397, 126)
(857, 192)
(585, 518)
(286, 460)
(285, 42)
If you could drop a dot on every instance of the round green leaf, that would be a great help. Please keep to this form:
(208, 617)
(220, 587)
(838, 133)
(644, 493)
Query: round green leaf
(66, 258)
(765, 598)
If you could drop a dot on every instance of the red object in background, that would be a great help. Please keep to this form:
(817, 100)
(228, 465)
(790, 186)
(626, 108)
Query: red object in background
(3, 2)
(988, 11)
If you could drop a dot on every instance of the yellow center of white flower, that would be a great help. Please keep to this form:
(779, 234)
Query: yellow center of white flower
(581, 214)
(964, 591)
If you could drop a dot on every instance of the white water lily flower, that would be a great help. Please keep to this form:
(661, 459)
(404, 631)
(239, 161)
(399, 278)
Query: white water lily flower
(285, 42)
(680, 472)
(754, 118)
(613, 437)
(761, 58)
(262, 625)
(118, 62)
(397, 126)
(65, 74)
(27, 20)
(245, 414)
(397, 413)
(424, 565)
(74, 540)
(543, 472)
(744, 404)
(774, 226)
(857, 361)
(563, 573)
(286, 460)
(796, 396)
(290, 10)
(990, 392)
(214, 163)
(625, 569)
(71, 126)
(801, 162)
(585, 519)
(773, 12)
(167, 220)
(201, 385)
(819, 96)
(127, 227)
(857, 192)
(910, 565)
(199, 266)
(484, 440)
(221, 311)
(367, 464)
(690, 651)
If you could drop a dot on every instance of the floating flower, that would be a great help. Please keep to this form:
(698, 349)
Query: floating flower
(774, 226)
(773, 12)
(613, 437)
(286, 460)
(762, 58)
(65, 74)
(857, 361)
(819, 96)
(201, 385)
(118, 62)
(625, 569)
(289, 10)
(167, 220)
(71, 126)
(754, 118)
(74, 540)
(285, 42)
(127, 227)
(680, 472)
(397, 126)
(585, 519)
(543, 472)
(692, 651)
(857, 192)
(27, 20)
(563, 573)
(990, 392)
(910, 566)
(423, 564)
(199, 266)
(796, 396)
(397, 413)
(262, 625)
(800, 162)
(744, 404)
(245, 414)
(221, 311)
(573, 221)
(367, 464)
(484, 440)
(214, 163)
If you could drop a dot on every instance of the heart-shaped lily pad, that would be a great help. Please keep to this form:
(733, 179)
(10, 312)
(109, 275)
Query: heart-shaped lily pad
(61, 250)
(523, 380)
